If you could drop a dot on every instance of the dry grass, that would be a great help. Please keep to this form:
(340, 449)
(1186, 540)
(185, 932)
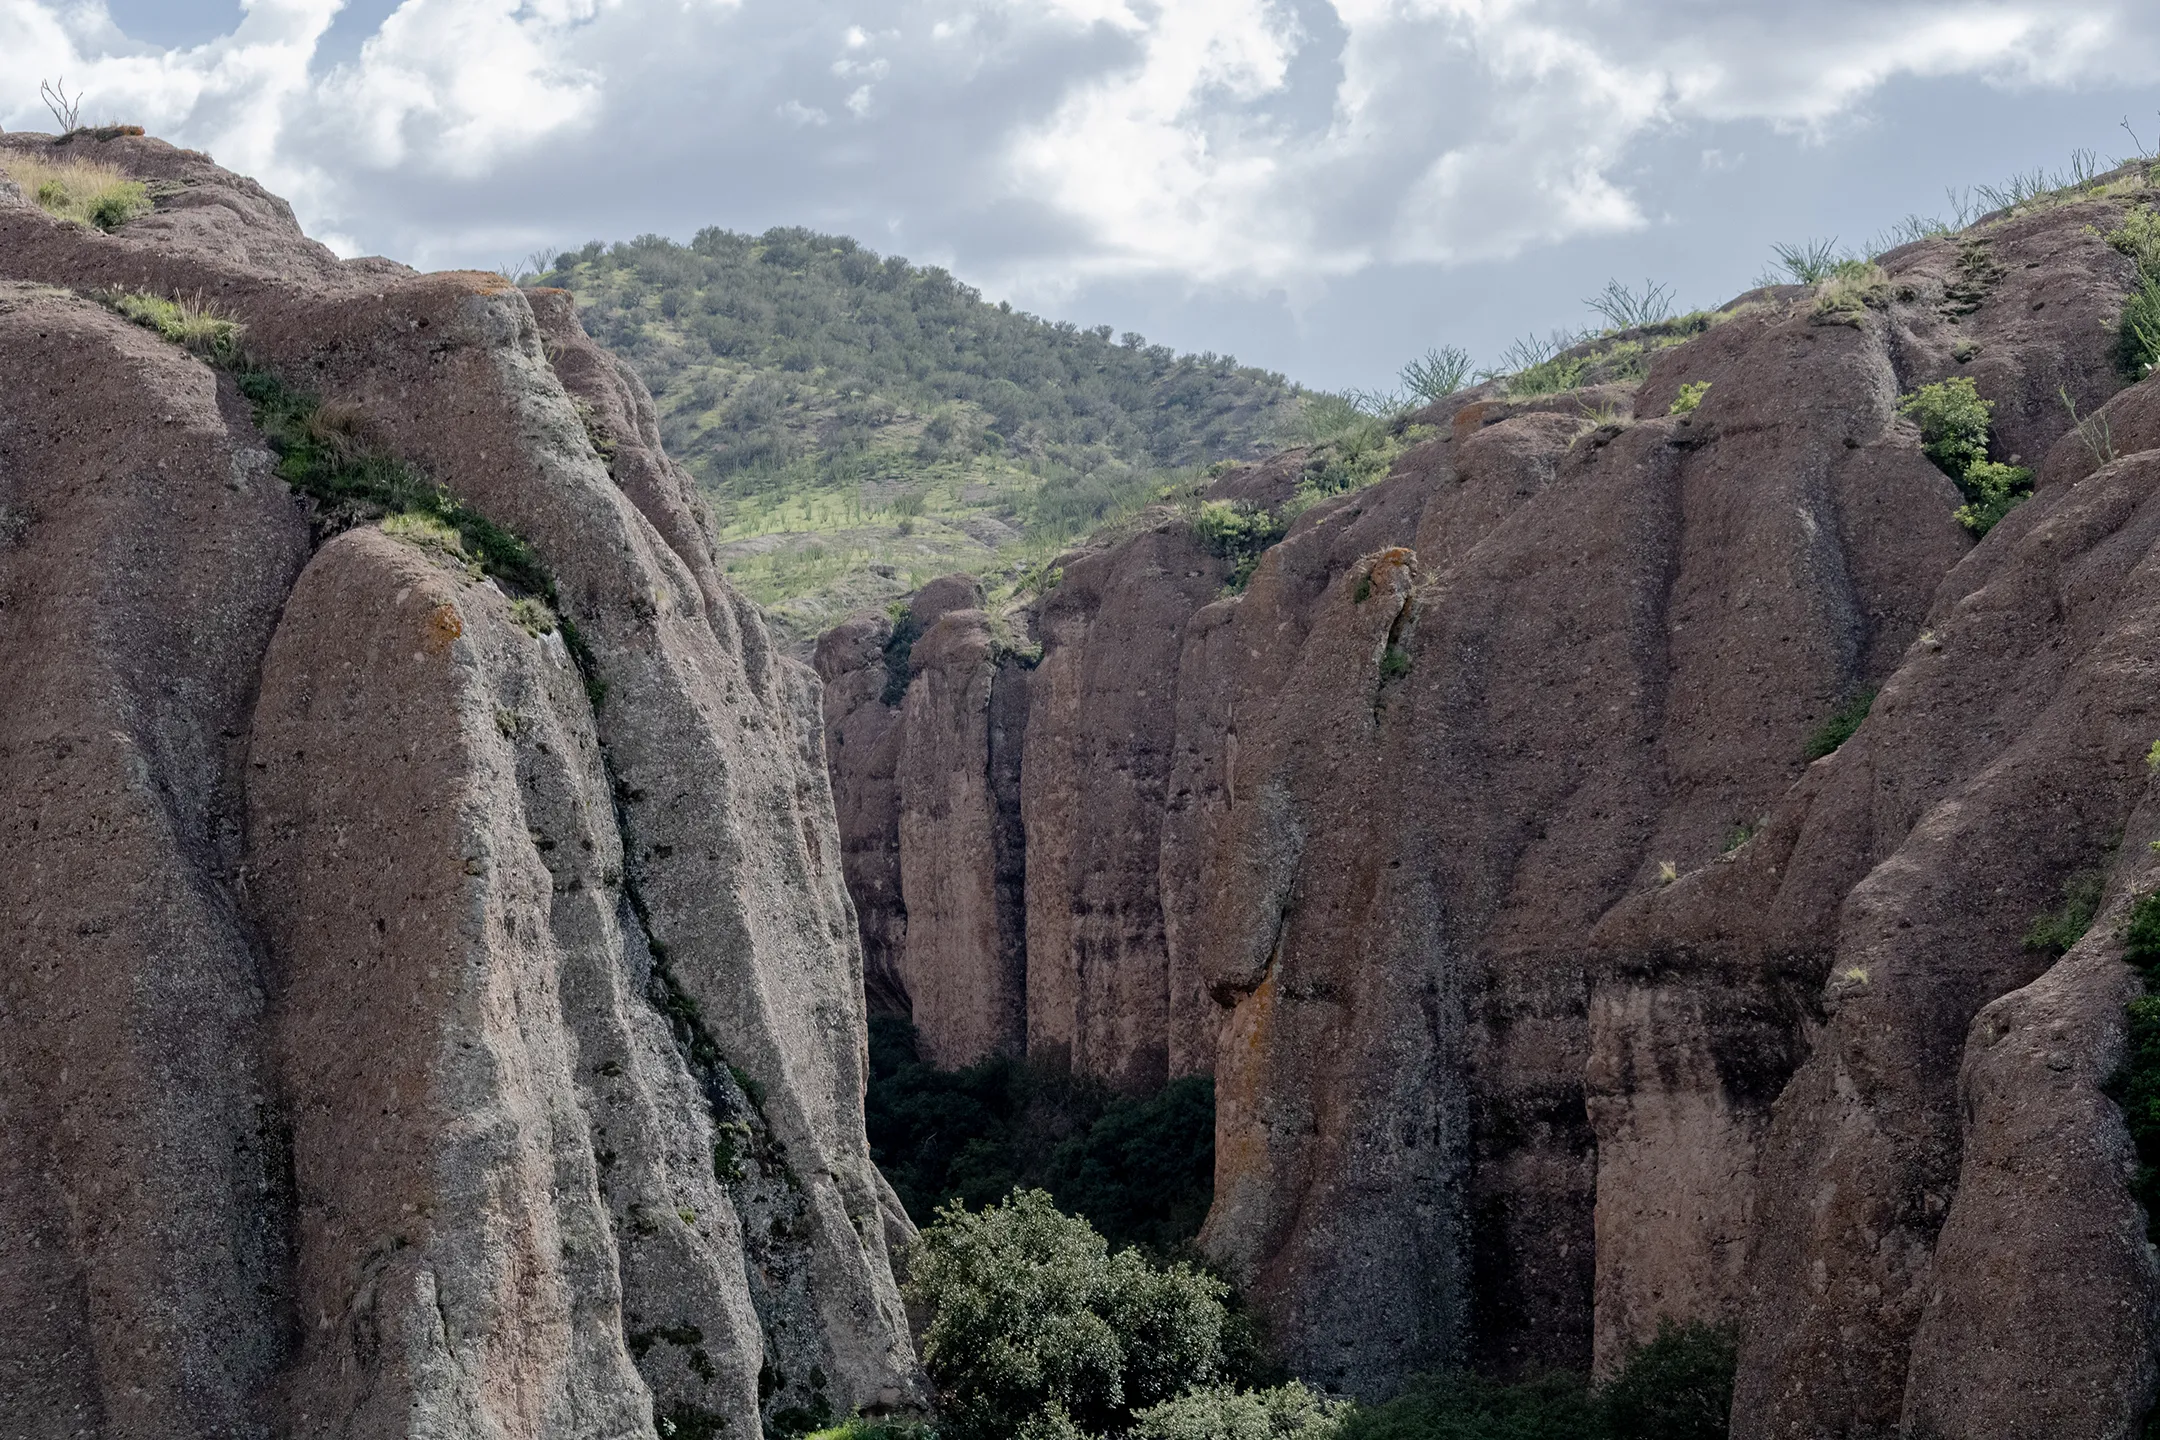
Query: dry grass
(84, 191)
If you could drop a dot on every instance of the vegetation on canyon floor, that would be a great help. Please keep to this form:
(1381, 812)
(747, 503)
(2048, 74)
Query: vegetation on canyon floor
(1140, 1169)
(1037, 1329)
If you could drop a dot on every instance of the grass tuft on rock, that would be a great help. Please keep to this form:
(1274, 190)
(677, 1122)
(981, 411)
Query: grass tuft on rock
(191, 324)
(86, 192)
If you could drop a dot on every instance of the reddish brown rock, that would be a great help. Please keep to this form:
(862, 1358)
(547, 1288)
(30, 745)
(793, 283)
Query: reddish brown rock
(1558, 993)
(862, 694)
(145, 551)
(565, 1000)
(964, 973)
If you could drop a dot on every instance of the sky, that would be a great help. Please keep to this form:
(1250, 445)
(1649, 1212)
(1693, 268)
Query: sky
(1327, 188)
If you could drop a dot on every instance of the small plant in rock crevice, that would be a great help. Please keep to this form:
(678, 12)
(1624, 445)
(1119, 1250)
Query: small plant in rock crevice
(899, 651)
(1954, 423)
(2135, 1086)
(1689, 397)
(2054, 932)
(1238, 532)
(1840, 725)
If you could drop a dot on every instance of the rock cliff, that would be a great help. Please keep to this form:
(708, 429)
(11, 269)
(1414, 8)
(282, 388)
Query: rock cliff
(423, 1015)
(1550, 987)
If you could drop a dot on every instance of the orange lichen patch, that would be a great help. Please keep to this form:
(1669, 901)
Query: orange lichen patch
(1470, 418)
(444, 626)
(1391, 562)
(479, 282)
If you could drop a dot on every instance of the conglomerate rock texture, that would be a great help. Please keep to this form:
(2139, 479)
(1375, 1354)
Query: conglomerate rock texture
(1550, 989)
(409, 1026)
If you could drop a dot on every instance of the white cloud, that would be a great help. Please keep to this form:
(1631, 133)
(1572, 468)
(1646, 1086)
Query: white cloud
(1237, 143)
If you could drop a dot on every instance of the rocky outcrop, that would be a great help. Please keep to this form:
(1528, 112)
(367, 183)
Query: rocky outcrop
(1551, 990)
(434, 1027)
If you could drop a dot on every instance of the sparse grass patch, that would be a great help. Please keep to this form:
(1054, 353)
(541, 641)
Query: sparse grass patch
(1839, 728)
(1852, 288)
(417, 527)
(2053, 932)
(191, 324)
(533, 616)
(87, 192)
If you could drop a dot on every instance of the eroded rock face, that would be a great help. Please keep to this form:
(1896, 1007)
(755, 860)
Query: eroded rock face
(1551, 991)
(479, 1059)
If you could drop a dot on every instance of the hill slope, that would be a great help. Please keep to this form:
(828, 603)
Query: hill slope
(860, 424)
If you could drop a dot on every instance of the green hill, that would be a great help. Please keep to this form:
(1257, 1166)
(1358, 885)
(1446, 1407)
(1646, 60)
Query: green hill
(860, 424)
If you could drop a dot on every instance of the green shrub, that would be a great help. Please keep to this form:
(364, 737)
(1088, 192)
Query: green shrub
(1690, 396)
(1808, 263)
(2135, 1086)
(899, 653)
(1438, 373)
(1839, 728)
(1992, 490)
(2137, 346)
(1140, 1168)
(1549, 377)
(2138, 340)
(1677, 1387)
(1954, 422)
(1394, 663)
(2138, 236)
(1238, 532)
(1467, 1407)
(1287, 1412)
(1032, 1319)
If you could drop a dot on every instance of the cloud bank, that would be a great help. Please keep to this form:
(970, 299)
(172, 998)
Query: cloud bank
(1247, 144)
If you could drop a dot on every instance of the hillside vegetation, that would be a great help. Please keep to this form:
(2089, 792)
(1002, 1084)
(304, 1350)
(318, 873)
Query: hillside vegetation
(860, 424)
